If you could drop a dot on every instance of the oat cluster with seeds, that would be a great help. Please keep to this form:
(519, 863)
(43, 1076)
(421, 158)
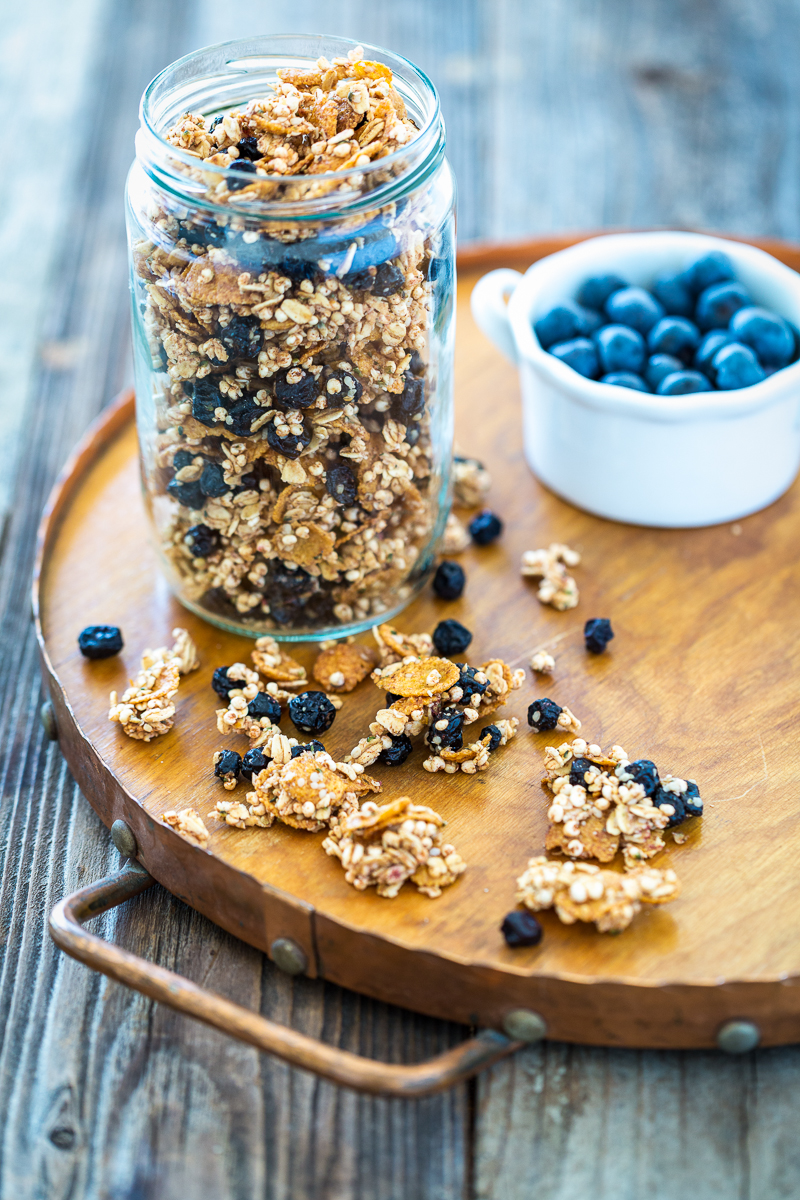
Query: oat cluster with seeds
(583, 892)
(146, 709)
(557, 587)
(189, 825)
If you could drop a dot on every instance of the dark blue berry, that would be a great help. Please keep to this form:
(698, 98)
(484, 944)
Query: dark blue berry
(254, 761)
(398, 752)
(673, 801)
(451, 637)
(580, 354)
(248, 148)
(181, 459)
(241, 337)
(681, 383)
(484, 528)
(290, 446)
(634, 307)
(520, 928)
(595, 291)
(659, 366)
(642, 771)
(768, 334)
(714, 267)
(691, 799)
(264, 705)
(677, 299)
(470, 686)
(736, 366)
(449, 580)
(566, 321)
(299, 392)
(340, 482)
(349, 388)
(411, 401)
(676, 336)
(222, 685)
(312, 712)
(312, 747)
(577, 771)
(190, 495)
(205, 399)
(100, 641)
(626, 379)
(445, 731)
(243, 413)
(494, 735)
(597, 633)
(228, 765)
(709, 346)
(386, 280)
(202, 540)
(243, 166)
(543, 714)
(212, 481)
(717, 304)
(620, 349)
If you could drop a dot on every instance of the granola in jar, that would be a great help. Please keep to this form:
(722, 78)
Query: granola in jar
(292, 265)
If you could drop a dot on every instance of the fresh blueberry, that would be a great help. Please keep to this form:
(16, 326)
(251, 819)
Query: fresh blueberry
(635, 307)
(676, 336)
(671, 291)
(484, 528)
(594, 292)
(580, 354)
(709, 346)
(451, 637)
(642, 771)
(543, 714)
(619, 349)
(769, 335)
(228, 765)
(711, 268)
(520, 928)
(340, 482)
(736, 366)
(254, 761)
(717, 304)
(449, 580)
(398, 752)
(597, 633)
(659, 366)
(494, 735)
(264, 705)
(566, 321)
(202, 540)
(100, 641)
(312, 712)
(626, 379)
(681, 383)
(445, 731)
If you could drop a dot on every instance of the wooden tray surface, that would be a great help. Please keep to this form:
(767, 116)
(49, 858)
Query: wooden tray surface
(702, 677)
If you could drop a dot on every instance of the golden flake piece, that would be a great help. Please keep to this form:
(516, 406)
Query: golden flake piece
(418, 677)
(394, 646)
(277, 666)
(189, 824)
(583, 892)
(342, 667)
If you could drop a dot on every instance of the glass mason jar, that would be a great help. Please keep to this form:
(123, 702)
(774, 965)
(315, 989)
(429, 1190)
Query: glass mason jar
(292, 269)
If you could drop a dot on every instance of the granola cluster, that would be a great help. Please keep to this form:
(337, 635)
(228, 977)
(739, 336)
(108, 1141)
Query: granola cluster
(291, 473)
(557, 587)
(382, 847)
(146, 709)
(189, 824)
(583, 892)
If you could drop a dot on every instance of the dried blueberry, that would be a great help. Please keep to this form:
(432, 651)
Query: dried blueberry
(212, 481)
(484, 528)
(445, 731)
(398, 752)
(182, 458)
(255, 760)
(264, 705)
(495, 737)
(217, 121)
(295, 388)
(340, 482)
(620, 349)
(248, 148)
(451, 637)
(597, 633)
(298, 269)
(312, 712)
(594, 292)
(243, 166)
(291, 446)
(411, 401)
(228, 764)
(205, 399)
(634, 307)
(384, 281)
(201, 540)
(664, 799)
(312, 747)
(241, 337)
(221, 684)
(520, 928)
(449, 580)
(242, 415)
(691, 799)
(190, 495)
(543, 714)
(100, 641)
(202, 235)
(295, 581)
(339, 386)
(641, 771)
(577, 771)
(470, 686)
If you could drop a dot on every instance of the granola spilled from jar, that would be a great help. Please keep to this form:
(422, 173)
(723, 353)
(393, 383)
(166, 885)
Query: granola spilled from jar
(146, 710)
(557, 587)
(583, 892)
(189, 825)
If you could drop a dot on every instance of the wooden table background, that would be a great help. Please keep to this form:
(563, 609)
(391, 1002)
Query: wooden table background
(562, 114)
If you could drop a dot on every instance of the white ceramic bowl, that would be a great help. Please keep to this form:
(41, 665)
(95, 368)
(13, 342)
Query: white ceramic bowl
(652, 460)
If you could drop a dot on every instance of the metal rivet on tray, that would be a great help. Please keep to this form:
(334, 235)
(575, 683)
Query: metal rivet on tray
(737, 1037)
(524, 1026)
(47, 717)
(123, 838)
(287, 955)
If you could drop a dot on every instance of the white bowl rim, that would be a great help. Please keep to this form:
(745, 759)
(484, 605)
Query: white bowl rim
(779, 387)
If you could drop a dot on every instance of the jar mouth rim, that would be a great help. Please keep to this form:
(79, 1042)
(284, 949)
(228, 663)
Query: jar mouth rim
(426, 145)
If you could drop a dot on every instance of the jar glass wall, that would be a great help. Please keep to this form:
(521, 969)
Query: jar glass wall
(292, 268)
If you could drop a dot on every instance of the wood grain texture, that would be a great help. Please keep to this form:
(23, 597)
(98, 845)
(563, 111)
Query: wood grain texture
(139, 1102)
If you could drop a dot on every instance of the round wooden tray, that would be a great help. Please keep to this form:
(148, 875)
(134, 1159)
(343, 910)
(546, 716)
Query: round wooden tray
(700, 678)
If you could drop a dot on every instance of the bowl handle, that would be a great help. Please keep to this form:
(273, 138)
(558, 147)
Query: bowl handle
(490, 311)
(339, 1066)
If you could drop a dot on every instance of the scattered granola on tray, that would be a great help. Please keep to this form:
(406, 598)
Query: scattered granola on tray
(584, 892)
(456, 536)
(471, 482)
(475, 756)
(542, 663)
(342, 666)
(146, 709)
(382, 847)
(557, 587)
(545, 714)
(189, 824)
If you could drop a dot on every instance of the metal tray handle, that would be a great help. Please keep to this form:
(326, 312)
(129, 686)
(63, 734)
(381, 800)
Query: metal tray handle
(339, 1066)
